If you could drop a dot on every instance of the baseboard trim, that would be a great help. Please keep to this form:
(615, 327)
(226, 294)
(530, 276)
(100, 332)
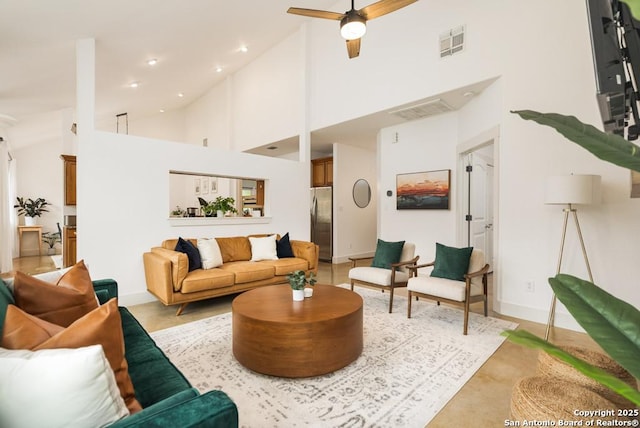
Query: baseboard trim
(136, 299)
(562, 319)
(345, 259)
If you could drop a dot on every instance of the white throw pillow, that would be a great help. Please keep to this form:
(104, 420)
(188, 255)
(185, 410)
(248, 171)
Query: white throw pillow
(58, 388)
(209, 253)
(50, 277)
(263, 248)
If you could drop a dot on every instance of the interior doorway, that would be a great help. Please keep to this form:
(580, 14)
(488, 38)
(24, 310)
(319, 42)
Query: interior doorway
(478, 219)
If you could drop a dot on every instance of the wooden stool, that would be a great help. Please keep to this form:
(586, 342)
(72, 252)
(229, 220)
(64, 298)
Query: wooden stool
(549, 365)
(24, 229)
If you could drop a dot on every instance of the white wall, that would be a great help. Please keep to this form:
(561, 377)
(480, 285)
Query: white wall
(123, 195)
(210, 117)
(169, 125)
(423, 145)
(354, 228)
(40, 174)
(266, 97)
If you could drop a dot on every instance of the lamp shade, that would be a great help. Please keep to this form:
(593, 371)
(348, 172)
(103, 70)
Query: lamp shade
(573, 189)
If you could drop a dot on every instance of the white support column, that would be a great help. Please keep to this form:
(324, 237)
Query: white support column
(85, 115)
(85, 87)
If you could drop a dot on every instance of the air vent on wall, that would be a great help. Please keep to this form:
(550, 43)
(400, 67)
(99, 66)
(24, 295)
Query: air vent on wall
(418, 111)
(452, 41)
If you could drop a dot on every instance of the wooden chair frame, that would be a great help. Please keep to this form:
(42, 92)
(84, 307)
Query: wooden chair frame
(468, 298)
(394, 266)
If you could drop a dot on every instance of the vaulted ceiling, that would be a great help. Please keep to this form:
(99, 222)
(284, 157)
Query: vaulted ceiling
(190, 40)
(196, 43)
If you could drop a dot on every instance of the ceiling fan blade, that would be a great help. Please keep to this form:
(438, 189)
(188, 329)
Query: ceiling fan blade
(383, 7)
(325, 14)
(353, 47)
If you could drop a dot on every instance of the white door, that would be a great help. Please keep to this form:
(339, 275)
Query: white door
(478, 210)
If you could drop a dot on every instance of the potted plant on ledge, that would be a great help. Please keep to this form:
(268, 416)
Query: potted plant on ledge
(223, 205)
(298, 280)
(31, 209)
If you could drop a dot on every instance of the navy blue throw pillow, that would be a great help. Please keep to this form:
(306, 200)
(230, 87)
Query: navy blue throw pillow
(283, 247)
(184, 246)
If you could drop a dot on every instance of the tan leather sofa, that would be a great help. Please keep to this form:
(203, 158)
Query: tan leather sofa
(168, 277)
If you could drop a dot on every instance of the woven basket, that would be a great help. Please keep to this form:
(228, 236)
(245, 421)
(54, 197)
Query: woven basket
(548, 399)
(549, 365)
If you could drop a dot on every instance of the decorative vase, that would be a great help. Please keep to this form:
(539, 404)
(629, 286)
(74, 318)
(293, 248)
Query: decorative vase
(29, 221)
(308, 292)
(220, 214)
(298, 295)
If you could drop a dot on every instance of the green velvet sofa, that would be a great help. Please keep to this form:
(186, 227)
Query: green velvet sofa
(166, 396)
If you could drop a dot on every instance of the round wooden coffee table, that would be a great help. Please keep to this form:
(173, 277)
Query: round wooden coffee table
(274, 335)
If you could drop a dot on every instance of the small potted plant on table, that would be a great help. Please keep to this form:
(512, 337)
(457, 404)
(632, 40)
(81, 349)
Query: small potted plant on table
(298, 280)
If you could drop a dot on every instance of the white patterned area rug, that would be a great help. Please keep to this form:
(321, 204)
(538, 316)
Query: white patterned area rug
(409, 368)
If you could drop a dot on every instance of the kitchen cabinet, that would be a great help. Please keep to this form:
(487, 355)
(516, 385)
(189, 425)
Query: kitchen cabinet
(69, 246)
(260, 193)
(69, 179)
(322, 172)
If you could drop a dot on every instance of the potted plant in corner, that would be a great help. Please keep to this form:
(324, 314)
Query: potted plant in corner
(51, 239)
(31, 209)
(298, 280)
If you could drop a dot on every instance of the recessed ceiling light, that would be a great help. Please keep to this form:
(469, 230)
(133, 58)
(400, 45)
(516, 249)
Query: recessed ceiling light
(161, 110)
(218, 69)
(244, 49)
(180, 94)
(272, 148)
(152, 62)
(134, 84)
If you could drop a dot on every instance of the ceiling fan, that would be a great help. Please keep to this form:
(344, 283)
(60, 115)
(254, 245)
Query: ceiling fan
(353, 23)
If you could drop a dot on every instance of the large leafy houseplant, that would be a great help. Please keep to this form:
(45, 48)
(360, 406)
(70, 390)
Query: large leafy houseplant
(30, 207)
(611, 322)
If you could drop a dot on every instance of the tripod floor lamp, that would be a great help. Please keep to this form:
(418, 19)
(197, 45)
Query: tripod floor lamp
(570, 190)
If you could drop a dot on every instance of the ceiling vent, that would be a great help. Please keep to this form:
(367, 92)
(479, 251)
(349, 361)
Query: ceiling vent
(452, 41)
(426, 109)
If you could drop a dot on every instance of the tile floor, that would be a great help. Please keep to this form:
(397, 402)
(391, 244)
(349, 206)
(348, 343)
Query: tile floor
(482, 402)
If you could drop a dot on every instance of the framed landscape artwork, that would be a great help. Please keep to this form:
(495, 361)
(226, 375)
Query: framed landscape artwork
(423, 190)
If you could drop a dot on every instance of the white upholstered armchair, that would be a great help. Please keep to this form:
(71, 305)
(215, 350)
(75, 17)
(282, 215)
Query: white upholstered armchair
(392, 275)
(471, 287)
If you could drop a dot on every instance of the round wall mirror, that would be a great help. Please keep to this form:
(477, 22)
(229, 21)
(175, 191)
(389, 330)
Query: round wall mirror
(361, 193)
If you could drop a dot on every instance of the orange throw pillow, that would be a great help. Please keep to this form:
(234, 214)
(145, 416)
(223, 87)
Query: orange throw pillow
(62, 303)
(102, 326)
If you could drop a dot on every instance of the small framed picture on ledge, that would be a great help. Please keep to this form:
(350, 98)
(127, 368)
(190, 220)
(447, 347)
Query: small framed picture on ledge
(196, 186)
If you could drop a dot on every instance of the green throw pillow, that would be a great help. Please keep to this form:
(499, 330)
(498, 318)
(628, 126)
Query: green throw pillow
(387, 253)
(451, 263)
(6, 299)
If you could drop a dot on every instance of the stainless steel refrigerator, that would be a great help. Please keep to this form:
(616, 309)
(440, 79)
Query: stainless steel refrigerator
(321, 221)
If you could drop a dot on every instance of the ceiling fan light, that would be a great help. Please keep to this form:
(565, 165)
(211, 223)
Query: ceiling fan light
(353, 27)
